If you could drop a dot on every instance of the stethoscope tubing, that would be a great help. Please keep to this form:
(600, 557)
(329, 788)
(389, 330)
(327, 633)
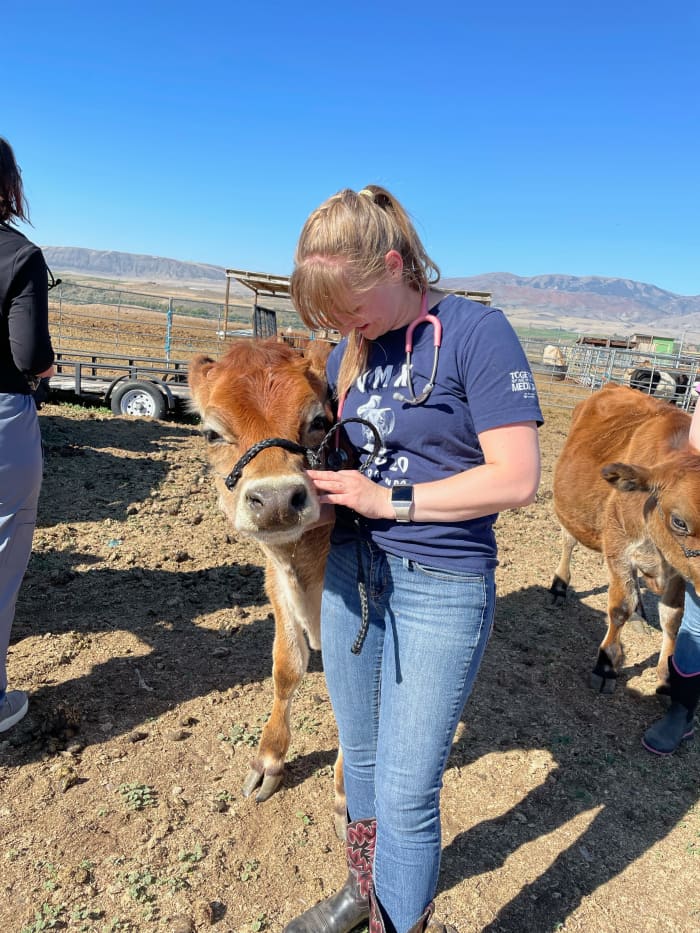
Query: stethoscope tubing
(423, 318)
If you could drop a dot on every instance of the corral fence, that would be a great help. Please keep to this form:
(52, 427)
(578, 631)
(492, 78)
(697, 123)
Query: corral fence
(89, 320)
(93, 319)
(565, 374)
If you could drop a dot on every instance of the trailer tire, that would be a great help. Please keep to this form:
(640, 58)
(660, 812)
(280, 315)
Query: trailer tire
(141, 399)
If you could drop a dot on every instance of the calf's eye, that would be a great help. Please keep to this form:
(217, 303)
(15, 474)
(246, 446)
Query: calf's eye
(318, 424)
(210, 436)
(678, 525)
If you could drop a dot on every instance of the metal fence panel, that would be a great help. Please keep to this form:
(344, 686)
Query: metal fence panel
(577, 370)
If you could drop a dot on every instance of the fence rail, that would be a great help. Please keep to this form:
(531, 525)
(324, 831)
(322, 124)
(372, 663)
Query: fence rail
(565, 375)
(88, 319)
(93, 319)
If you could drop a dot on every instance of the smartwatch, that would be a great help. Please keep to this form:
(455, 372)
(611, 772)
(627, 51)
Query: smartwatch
(401, 502)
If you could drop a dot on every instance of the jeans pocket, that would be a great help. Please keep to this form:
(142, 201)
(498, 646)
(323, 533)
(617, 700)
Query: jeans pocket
(440, 573)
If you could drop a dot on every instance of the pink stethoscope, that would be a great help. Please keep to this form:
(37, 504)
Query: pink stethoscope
(423, 318)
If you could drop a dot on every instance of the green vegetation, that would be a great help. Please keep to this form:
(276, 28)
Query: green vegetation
(46, 918)
(549, 334)
(137, 796)
(242, 734)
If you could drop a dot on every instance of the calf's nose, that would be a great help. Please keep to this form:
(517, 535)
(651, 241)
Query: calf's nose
(276, 504)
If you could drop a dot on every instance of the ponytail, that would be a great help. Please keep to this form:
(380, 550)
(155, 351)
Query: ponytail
(342, 247)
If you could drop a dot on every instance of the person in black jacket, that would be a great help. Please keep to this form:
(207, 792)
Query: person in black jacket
(26, 355)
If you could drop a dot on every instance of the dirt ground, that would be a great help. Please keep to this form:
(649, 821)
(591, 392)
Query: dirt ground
(144, 638)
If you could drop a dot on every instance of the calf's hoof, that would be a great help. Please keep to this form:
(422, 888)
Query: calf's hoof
(603, 678)
(267, 779)
(558, 590)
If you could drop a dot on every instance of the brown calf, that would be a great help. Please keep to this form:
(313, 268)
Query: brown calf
(261, 390)
(627, 484)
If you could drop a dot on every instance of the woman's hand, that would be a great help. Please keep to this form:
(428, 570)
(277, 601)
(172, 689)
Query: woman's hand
(353, 490)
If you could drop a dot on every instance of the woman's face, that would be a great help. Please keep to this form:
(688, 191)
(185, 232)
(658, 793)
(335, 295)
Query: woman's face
(381, 308)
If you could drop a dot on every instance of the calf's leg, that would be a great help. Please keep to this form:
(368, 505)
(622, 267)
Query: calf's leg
(671, 608)
(290, 658)
(562, 575)
(622, 601)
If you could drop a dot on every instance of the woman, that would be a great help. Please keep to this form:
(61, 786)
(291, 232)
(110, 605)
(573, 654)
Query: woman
(665, 736)
(26, 355)
(414, 536)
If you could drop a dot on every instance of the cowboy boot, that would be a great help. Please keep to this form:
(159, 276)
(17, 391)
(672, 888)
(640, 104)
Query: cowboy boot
(424, 924)
(342, 912)
(664, 737)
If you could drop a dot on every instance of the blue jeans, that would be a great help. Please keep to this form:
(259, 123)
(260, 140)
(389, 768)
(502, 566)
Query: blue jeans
(398, 702)
(686, 655)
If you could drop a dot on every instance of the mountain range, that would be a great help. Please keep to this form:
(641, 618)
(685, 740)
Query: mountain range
(570, 302)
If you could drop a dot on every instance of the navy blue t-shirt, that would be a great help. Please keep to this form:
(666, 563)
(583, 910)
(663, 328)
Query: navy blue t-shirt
(483, 381)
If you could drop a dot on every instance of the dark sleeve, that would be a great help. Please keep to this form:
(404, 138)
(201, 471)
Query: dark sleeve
(28, 315)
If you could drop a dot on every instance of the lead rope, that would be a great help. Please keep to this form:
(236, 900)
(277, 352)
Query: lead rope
(362, 593)
(356, 646)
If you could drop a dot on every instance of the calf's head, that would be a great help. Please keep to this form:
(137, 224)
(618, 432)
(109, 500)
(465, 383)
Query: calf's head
(671, 506)
(260, 390)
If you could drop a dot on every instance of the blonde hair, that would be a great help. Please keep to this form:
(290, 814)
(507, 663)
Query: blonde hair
(341, 249)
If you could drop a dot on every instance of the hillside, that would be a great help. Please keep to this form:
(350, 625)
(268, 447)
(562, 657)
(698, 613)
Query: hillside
(132, 267)
(585, 303)
(610, 301)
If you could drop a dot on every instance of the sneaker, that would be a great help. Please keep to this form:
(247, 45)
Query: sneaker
(13, 707)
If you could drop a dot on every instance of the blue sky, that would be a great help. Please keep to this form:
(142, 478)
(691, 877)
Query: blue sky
(531, 138)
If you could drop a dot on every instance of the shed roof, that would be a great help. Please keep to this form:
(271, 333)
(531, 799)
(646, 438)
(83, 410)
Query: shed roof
(262, 283)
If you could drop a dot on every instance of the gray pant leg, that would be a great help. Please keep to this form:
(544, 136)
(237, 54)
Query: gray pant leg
(20, 483)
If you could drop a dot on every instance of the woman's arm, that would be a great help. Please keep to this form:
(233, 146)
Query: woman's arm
(28, 315)
(508, 479)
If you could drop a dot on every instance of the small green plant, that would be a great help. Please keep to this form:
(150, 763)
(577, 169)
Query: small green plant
(258, 924)
(305, 818)
(139, 885)
(83, 912)
(192, 857)
(138, 796)
(222, 801)
(51, 882)
(116, 925)
(240, 735)
(48, 918)
(176, 883)
(308, 724)
(249, 870)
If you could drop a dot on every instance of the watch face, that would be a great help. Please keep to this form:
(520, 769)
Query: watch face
(402, 494)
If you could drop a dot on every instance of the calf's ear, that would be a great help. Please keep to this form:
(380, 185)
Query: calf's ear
(200, 369)
(317, 353)
(627, 477)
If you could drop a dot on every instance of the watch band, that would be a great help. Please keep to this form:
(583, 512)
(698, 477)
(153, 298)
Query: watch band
(401, 502)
